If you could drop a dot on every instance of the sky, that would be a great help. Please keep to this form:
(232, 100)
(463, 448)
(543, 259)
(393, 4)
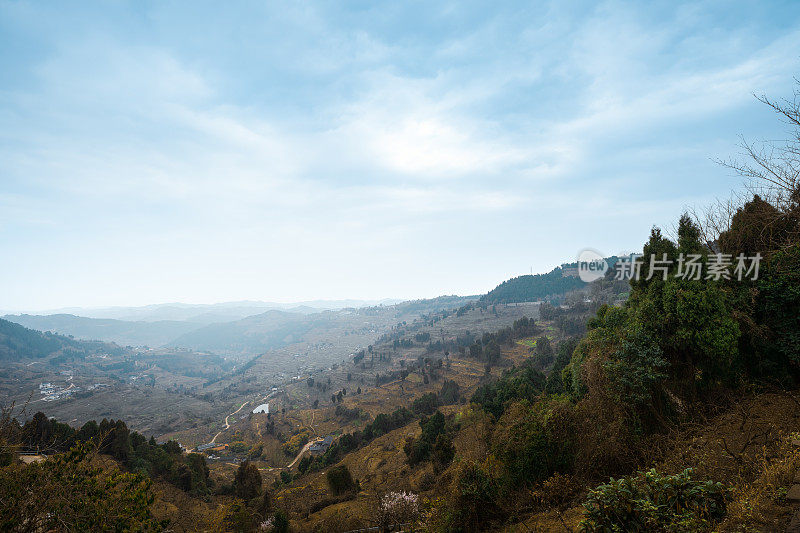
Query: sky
(205, 152)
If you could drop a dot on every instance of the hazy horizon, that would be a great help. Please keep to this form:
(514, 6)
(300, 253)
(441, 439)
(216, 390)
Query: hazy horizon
(153, 153)
(288, 305)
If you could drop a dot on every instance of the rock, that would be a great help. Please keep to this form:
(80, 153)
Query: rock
(796, 477)
(794, 523)
(794, 493)
(795, 442)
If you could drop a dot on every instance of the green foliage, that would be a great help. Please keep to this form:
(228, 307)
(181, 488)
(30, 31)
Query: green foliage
(443, 450)
(543, 351)
(304, 464)
(280, 522)
(247, 481)
(518, 383)
(425, 404)
(530, 444)
(532, 288)
(554, 383)
(340, 480)
(68, 490)
(473, 500)
(779, 310)
(418, 450)
(636, 370)
(654, 502)
(449, 394)
(238, 447)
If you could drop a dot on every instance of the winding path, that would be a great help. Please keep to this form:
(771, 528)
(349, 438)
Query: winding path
(299, 455)
(227, 425)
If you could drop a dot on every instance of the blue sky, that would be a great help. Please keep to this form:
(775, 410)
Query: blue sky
(205, 151)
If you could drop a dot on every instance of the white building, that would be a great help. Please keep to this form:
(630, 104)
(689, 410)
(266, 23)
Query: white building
(263, 408)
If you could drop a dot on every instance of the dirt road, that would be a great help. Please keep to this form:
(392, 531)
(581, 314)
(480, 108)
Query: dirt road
(227, 425)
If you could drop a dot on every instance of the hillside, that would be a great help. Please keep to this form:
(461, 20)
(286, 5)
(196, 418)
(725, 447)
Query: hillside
(530, 288)
(122, 332)
(254, 334)
(18, 343)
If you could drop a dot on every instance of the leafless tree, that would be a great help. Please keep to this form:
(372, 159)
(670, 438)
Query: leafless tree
(771, 170)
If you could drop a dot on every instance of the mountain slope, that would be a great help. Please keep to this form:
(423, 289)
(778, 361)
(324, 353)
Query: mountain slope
(253, 334)
(531, 288)
(120, 331)
(18, 342)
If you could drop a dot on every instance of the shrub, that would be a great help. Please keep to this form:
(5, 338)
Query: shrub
(449, 393)
(247, 482)
(293, 446)
(420, 449)
(238, 447)
(473, 501)
(304, 464)
(70, 489)
(654, 502)
(520, 383)
(398, 508)
(529, 448)
(425, 404)
(340, 480)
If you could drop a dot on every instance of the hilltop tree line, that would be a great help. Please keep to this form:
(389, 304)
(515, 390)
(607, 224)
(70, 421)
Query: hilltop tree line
(113, 438)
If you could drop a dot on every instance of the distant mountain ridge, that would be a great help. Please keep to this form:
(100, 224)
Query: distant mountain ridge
(253, 334)
(18, 342)
(140, 333)
(209, 313)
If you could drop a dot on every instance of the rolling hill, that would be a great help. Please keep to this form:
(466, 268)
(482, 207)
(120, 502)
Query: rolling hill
(530, 288)
(18, 342)
(122, 332)
(253, 334)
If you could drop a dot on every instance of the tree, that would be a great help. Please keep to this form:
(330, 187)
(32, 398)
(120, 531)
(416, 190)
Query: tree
(543, 351)
(425, 404)
(69, 489)
(247, 481)
(340, 480)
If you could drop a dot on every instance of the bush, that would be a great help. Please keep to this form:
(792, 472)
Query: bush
(398, 508)
(449, 393)
(247, 482)
(523, 382)
(473, 501)
(425, 404)
(71, 489)
(238, 447)
(530, 445)
(293, 446)
(304, 464)
(340, 480)
(418, 450)
(654, 502)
